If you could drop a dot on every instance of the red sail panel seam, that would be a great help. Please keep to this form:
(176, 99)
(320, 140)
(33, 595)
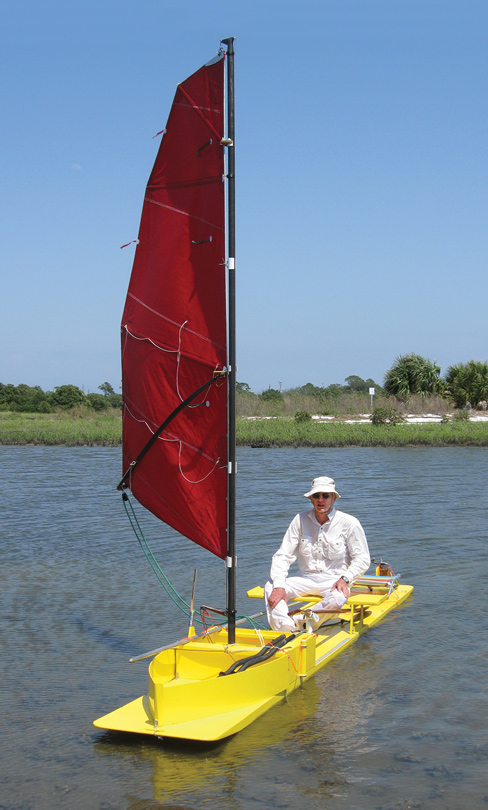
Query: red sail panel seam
(184, 213)
(199, 110)
(200, 181)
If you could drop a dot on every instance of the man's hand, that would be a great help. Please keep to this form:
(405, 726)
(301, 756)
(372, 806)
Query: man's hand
(276, 595)
(341, 587)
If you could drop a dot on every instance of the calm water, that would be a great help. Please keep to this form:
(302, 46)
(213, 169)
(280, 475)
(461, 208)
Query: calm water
(398, 721)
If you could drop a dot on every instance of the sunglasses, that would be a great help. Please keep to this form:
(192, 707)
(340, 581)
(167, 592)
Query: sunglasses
(323, 495)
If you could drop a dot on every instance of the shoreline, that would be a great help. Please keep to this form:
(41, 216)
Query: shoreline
(69, 430)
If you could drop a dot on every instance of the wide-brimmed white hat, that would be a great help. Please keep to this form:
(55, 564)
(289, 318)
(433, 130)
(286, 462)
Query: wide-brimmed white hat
(322, 484)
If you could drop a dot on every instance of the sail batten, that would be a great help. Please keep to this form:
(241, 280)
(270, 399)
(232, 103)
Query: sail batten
(174, 330)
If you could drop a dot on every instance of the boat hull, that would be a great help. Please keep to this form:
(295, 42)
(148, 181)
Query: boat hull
(190, 698)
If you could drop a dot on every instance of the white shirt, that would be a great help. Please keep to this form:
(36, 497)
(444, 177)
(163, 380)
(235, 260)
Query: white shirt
(335, 548)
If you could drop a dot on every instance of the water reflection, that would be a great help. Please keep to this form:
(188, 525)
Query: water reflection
(299, 751)
(182, 769)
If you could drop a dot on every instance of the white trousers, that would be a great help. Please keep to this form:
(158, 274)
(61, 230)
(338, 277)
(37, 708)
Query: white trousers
(298, 586)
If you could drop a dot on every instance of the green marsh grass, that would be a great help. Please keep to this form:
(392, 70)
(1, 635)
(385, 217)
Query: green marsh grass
(83, 426)
(287, 433)
(79, 427)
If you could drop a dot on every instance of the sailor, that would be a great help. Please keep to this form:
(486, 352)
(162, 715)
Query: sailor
(331, 550)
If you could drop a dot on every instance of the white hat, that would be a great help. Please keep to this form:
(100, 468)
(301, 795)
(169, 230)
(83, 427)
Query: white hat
(322, 484)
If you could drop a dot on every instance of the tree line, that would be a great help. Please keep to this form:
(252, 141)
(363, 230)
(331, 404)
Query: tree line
(32, 399)
(354, 384)
(464, 384)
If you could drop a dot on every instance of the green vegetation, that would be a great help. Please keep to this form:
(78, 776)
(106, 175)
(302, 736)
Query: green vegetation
(467, 384)
(276, 418)
(347, 403)
(413, 374)
(387, 416)
(82, 426)
(271, 395)
(334, 400)
(302, 416)
(78, 427)
(26, 399)
(287, 433)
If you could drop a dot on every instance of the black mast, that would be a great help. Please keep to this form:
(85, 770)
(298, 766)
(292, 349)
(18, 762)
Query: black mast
(231, 213)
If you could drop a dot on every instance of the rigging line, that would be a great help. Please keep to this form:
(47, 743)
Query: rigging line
(201, 479)
(178, 362)
(145, 422)
(174, 439)
(148, 340)
(256, 626)
(184, 606)
(182, 443)
(166, 584)
(162, 427)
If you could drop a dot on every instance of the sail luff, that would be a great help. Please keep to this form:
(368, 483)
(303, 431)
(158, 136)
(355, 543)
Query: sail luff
(231, 329)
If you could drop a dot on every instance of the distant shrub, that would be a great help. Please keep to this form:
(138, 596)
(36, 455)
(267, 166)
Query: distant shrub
(99, 402)
(462, 415)
(387, 416)
(114, 400)
(271, 395)
(302, 416)
(44, 407)
(67, 396)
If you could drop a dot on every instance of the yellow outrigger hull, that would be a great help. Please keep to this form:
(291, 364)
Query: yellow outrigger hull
(188, 697)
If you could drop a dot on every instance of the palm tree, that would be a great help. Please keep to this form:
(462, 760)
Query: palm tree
(413, 374)
(467, 383)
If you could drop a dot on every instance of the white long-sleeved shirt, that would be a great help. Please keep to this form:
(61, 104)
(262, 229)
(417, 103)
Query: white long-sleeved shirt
(335, 548)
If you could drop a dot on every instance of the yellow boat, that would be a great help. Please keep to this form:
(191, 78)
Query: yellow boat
(179, 449)
(208, 689)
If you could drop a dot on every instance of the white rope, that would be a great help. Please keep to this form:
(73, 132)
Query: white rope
(260, 636)
(201, 479)
(178, 361)
(148, 340)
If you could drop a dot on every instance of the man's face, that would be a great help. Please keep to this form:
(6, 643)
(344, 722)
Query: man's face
(322, 503)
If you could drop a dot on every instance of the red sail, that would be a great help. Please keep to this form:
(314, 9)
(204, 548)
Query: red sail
(174, 323)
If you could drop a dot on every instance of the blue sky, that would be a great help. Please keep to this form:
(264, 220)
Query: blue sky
(361, 179)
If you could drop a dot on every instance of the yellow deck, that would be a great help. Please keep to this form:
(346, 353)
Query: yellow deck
(187, 698)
